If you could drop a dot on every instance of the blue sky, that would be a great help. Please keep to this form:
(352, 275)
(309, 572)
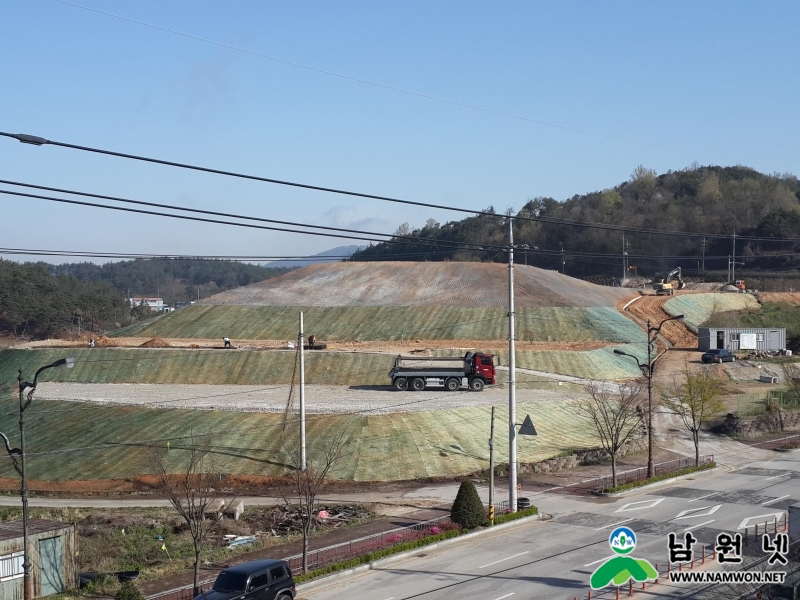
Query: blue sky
(711, 82)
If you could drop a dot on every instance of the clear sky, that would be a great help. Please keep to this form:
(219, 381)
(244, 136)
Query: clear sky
(711, 82)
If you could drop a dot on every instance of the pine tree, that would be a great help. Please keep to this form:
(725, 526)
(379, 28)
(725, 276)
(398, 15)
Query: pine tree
(467, 509)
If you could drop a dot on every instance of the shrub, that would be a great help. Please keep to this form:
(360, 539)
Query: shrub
(527, 512)
(468, 509)
(634, 484)
(128, 591)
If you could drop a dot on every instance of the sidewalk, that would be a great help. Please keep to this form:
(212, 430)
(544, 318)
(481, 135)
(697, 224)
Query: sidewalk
(337, 536)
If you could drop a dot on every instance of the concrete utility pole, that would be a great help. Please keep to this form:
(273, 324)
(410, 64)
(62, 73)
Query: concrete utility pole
(512, 384)
(491, 471)
(733, 259)
(300, 341)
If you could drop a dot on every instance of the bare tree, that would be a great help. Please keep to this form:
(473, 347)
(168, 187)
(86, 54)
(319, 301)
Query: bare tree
(191, 477)
(696, 401)
(791, 372)
(616, 416)
(306, 485)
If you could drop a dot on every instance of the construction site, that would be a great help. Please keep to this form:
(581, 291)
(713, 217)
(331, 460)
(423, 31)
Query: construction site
(154, 381)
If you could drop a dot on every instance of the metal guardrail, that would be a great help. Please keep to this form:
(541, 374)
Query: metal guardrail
(658, 469)
(322, 557)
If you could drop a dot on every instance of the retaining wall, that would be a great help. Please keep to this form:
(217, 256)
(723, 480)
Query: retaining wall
(771, 421)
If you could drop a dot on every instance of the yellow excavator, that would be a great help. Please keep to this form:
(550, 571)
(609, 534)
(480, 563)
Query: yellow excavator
(667, 287)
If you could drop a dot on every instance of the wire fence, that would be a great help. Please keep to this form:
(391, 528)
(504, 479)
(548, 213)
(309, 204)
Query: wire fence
(323, 557)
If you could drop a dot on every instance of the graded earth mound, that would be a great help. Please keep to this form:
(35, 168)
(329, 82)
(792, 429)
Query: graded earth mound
(420, 284)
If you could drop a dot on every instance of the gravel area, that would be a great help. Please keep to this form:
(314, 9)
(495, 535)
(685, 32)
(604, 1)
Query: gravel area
(320, 399)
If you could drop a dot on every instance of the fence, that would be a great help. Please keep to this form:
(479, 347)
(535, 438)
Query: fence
(658, 469)
(329, 555)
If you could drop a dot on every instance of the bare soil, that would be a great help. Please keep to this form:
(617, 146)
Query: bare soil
(651, 308)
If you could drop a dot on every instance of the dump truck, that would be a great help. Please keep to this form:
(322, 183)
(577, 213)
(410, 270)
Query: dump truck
(474, 370)
(667, 287)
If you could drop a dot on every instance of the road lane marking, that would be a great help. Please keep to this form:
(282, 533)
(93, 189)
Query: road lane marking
(775, 500)
(648, 503)
(598, 561)
(689, 513)
(699, 525)
(503, 559)
(761, 519)
(706, 496)
(777, 476)
(613, 524)
(506, 596)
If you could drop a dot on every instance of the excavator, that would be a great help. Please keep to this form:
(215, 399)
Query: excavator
(667, 287)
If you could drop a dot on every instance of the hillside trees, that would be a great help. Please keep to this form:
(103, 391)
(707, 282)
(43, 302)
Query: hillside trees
(706, 200)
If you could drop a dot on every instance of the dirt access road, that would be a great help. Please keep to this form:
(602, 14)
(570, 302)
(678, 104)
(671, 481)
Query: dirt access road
(651, 308)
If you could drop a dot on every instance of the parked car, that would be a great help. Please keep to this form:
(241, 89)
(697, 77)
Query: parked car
(268, 579)
(718, 356)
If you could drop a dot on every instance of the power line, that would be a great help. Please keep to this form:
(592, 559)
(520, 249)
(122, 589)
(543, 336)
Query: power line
(372, 83)
(39, 141)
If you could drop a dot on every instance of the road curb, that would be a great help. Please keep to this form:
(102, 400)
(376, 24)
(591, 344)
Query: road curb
(650, 486)
(325, 579)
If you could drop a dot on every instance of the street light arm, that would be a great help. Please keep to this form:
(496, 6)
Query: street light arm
(13, 453)
(657, 330)
(61, 363)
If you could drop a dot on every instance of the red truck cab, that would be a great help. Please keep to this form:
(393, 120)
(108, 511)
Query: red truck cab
(483, 365)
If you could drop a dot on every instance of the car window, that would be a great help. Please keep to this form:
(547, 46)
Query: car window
(230, 582)
(259, 580)
(277, 572)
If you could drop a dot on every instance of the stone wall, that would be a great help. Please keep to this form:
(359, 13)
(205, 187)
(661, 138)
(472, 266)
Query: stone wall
(771, 421)
(581, 457)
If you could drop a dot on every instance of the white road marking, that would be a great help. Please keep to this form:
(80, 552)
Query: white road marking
(771, 517)
(699, 525)
(777, 476)
(647, 503)
(598, 561)
(503, 559)
(706, 496)
(775, 500)
(613, 524)
(506, 596)
(688, 514)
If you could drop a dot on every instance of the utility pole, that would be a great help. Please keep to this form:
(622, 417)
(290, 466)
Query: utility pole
(563, 262)
(491, 471)
(733, 260)
(26, 557)
(512, 400)
(624, 268)
(302, 398)
(704, 255)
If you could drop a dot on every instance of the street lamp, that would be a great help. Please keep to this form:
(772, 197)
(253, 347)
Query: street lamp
(62, 363)
(652, 332)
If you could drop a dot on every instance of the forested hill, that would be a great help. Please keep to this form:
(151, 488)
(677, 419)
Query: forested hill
(705, 200)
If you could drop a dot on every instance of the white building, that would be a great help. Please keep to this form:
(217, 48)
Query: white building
(156, 304)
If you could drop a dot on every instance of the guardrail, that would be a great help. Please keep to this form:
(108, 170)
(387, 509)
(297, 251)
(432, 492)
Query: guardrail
(658, 469)
(322, 557)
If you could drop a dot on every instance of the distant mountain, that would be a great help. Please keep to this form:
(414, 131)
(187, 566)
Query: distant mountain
(340, 253)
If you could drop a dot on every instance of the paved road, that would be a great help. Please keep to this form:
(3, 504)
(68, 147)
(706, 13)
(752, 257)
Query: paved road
(555, 559)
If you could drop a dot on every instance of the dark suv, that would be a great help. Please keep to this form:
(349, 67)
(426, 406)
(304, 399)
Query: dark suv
(718, 356)
(258, 580)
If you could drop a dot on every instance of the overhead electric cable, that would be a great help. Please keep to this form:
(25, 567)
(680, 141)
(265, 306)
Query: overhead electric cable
(39, 141)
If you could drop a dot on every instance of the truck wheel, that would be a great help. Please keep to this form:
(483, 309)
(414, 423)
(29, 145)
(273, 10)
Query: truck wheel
(476, 385)
(401, 384)
(452, 384)
(418, 384)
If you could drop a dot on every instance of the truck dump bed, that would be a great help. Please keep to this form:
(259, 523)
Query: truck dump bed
(430, 362)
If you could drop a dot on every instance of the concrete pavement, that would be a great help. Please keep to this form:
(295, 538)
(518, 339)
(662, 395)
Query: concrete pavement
(555, 559)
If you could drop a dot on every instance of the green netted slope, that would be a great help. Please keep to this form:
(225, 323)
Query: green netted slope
(390, 323)
(699, 307)
(80, 441)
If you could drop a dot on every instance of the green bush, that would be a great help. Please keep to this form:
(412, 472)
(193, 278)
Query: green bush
(514, 516)
(641, 482)
(377, 555)
(128, 591)
(468, 509)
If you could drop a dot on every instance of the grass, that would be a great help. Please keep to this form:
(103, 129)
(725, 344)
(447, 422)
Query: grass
(76, 441)
(699, 308)
(635, 484)
(767, 314)
(389, 323)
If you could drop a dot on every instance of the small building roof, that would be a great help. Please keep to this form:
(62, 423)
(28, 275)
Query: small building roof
(10, 530)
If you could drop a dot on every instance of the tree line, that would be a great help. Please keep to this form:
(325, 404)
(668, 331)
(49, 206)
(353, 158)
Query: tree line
(43, 300)
(708, 200)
